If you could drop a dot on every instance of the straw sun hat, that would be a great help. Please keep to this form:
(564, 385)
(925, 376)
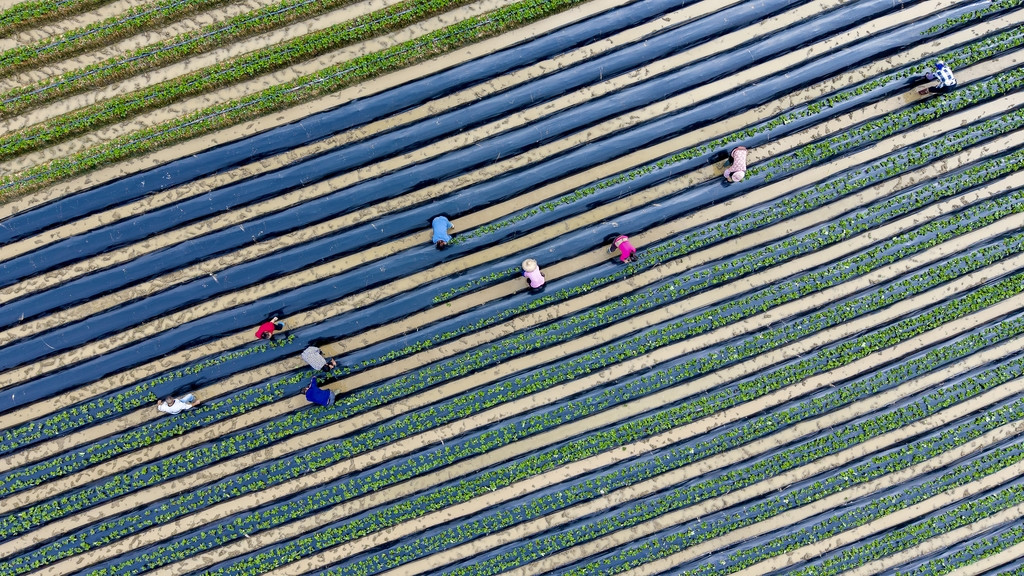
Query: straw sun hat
(529, 265)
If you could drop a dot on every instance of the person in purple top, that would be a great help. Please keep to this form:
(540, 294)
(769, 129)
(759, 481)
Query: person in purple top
(318, 395)
(534, 277)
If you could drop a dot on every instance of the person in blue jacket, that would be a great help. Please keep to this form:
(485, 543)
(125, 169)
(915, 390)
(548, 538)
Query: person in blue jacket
(318, 395)
(441, 226)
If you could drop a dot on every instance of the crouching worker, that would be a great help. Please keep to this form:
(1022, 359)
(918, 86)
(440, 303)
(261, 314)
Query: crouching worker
(738, 167)
(266, 330)
(534, 277)
(172, 405)
(944, 75)
(318, 395)
(316, 360)
(627, 251)
(440, 226)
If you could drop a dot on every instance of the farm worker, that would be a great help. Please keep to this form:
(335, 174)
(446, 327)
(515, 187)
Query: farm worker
(534, 277)
(738, 169)
(173, 405)
(441, 226)
(946, 80)
(316, 360)
(628, 253)
(318, 395)
(266, 330)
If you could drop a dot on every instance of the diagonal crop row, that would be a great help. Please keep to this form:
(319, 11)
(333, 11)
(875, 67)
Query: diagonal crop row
(875, 130)
(334, 78)
(932, 233)
(104, 407)
(192, 43)
(34, 12)
(131, 22)
(328, 495)
(278, 97)
(714, 362)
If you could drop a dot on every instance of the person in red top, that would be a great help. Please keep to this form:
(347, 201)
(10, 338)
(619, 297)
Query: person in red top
(266, 330)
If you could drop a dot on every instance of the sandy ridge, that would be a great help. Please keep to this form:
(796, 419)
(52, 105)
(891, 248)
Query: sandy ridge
(147, 161)
(203, 185)
(237, 298)
(71, 146)
(396, 449)
(145, 38)
(195, 63)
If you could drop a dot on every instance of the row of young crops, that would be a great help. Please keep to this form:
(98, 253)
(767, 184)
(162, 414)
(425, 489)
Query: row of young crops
(814, 371)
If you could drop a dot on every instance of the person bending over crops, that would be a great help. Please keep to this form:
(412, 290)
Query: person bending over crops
(627, 251)
(316, 360)
(738, 167)
(266, 330)
(944, 75)
(534, 277)
(318, 395)
(172, 405)
(441, 225)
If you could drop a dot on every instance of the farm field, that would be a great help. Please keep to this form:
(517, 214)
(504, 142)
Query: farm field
(816, 370)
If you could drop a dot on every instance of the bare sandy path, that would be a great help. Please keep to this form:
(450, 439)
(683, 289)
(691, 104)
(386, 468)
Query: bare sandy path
(187, 106)
(64, 443)
(388, 81)
(156, 117)
(52, 29)
(834, 501)
(194, 188)
(148, 37)
(190, 65)
(396, 449)
(521, 448)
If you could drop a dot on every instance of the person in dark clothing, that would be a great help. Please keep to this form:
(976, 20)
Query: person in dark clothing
(318, 395)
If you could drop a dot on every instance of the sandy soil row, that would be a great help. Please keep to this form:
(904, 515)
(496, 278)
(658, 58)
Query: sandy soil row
(237, 91)
(837, 500)
(388, 81)
(52, 29)
(67, 442)
(108, 260)
(395, 450)
(184, 107)
(196, 63)
(266, 165)
(145, 38)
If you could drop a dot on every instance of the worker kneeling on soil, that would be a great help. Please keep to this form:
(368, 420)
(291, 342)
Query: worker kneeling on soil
(944, 75)
(738, 167)
(318, 395)
(534, 277)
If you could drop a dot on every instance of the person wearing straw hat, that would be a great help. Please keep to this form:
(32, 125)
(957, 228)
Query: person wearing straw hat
(738, 168)
(627, 251)
(534, 277)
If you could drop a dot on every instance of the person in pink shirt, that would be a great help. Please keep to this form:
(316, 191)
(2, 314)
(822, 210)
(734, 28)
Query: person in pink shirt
(627, 251)
(266, 330)
(534, 277)
(738, 168)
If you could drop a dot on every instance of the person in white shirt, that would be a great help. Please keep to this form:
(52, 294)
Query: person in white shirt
(944, 75)
(173, 405)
